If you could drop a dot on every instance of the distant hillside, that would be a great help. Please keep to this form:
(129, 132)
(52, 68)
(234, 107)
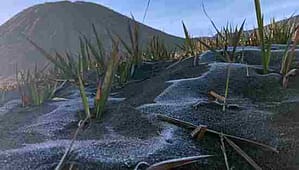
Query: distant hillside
(56, 27)
(293, 19)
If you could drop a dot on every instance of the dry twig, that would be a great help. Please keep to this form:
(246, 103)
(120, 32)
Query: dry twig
(224, 152)
(243, 154)
(191, 126)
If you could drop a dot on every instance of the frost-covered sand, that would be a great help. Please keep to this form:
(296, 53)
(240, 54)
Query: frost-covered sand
(35, 138)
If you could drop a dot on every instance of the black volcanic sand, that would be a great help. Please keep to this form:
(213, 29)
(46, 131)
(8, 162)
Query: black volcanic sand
(35, 138)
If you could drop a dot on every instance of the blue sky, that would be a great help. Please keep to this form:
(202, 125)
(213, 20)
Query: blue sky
(167, 15)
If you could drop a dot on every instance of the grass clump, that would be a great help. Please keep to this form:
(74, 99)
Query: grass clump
(158, 51)
(65, 65)
(35, 87)
(134, 48)
(226, 40)
(104, 88)
(225, 46)
(288, 59)
(6, 86)
(264, 39)
(123, 71)
(190, 46)
(281, 31)
(90, 58)
(102, 93)
(3, 94)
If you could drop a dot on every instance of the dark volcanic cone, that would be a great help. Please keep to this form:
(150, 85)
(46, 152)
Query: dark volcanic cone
(56, 27)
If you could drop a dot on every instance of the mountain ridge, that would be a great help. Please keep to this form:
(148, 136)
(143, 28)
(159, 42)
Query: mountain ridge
(56, 26)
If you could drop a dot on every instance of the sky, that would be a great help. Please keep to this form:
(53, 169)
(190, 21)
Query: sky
(167, 15)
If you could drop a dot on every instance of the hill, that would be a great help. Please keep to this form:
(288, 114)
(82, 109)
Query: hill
(56, 27)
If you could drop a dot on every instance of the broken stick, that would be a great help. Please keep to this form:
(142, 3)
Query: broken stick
(216, 96)
(191, 126)
(224, 152)
(243, 154)
(199, 132)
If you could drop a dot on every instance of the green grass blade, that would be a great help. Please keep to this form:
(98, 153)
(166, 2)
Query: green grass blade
(84, 97)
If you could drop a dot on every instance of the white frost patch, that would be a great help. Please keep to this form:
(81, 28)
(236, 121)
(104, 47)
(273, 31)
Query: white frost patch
(116, 99)
(65, 113)
(7, 107)
(106, 150)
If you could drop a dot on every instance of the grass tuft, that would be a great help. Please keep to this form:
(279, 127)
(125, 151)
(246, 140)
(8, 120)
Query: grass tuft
(158, 51)
(35, 87)
(264, 39)
(134, 48)
(104, 88)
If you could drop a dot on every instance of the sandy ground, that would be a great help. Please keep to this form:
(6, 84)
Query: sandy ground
(34, 138)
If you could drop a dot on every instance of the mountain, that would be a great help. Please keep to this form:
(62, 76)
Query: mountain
(57, 26)
(293, 19)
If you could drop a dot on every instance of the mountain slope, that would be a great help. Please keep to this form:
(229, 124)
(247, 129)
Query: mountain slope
(56, 27)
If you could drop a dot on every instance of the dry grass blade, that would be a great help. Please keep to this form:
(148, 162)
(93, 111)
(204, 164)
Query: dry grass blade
(288, 59)
(41, 50)
(224, 152)
(134, 48)
(157, 50)
(292, 72)
(227, 86)
(189, 46)
(243, 154)
(191, 126)
(60, 87)
(146, 9)
(285, 80)
(174, 163)
(225, 38)
(178, 62)
(281, 31)
(141, 163)
(214, 25)
(69, 148)
(100, 101)
(66, 64)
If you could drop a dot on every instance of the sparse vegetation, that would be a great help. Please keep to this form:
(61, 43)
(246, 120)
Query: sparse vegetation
(3, 95)
(123, 71)
(264, 39)
(134, 48)
(66, 65)
(93, 62)
(190, 47)
(227, 40)
(35, 87)
(281, 31)
(288, 59)
(104, 85)
(104, 88)
(158, 51)
(91, 58)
